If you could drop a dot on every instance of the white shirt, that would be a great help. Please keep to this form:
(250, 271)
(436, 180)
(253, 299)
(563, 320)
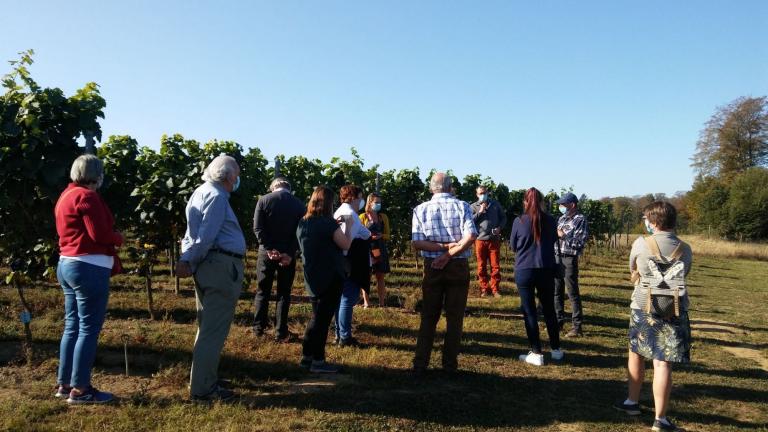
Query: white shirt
(105, 261)
(358, 230)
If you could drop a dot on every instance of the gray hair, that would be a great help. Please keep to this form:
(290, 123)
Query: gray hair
(220, 168)
(440, 182)
(280, 183)
(86, 170)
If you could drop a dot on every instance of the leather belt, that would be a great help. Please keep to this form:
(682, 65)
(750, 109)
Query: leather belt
(228, 253)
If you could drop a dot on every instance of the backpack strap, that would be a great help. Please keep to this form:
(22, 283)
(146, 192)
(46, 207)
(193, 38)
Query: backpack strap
(678, 252)
(654, 247)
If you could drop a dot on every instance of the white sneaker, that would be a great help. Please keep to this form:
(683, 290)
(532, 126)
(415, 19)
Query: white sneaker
(533, 358)
(557, 354)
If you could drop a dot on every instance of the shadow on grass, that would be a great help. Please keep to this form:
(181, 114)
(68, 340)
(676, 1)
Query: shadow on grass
(725, 324)
(470, 399)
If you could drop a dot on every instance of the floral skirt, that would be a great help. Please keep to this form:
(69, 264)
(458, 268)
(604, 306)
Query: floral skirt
(656, 338)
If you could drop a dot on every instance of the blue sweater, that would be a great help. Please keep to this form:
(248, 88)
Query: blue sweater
(530, 254)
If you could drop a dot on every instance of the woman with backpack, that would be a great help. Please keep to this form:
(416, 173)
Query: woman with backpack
(659, 329)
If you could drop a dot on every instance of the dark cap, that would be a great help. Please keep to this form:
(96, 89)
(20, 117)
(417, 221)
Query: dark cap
(568, 198)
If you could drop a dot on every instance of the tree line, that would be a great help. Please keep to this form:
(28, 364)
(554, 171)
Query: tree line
(147, 189)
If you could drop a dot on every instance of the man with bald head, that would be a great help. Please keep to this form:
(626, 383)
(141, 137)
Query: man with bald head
(443, 231)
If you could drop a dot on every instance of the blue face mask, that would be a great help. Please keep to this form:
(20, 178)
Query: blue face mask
(483, 198)
(648, 227)
(376, 207)
(237, 184)
(563, 209)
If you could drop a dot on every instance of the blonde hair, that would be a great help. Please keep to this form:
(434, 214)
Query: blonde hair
(369, 201)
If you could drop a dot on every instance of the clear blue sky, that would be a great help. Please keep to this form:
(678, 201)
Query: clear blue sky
(606, 96)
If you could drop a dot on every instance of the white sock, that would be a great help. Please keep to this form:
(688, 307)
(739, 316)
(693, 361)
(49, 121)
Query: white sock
(663, 420)
(630, 402)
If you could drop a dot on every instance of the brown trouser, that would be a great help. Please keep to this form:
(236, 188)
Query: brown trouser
(442, 289)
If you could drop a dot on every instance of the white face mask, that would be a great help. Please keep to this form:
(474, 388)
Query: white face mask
(360, 205)
(648, 226)
(563, 209)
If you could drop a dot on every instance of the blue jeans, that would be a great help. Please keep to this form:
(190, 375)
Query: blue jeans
(532, 283)
(350, 295)
(86, 291)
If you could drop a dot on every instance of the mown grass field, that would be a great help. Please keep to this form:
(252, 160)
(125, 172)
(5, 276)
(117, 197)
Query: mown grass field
(725, 388)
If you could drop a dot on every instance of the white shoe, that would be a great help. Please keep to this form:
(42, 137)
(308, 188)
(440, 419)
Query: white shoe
(533, 358)
(557, 354)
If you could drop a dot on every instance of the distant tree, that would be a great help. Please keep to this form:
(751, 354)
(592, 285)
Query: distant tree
(748, 205)
(734, 139)
(706, 205)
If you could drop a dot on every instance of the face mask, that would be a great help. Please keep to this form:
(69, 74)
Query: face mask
(376, 207)
(361, 205)
(563, 209)
(237, 184)
(483, 197)
(648, 227)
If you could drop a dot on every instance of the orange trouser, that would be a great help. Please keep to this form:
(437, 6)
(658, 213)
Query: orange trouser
(488, 250)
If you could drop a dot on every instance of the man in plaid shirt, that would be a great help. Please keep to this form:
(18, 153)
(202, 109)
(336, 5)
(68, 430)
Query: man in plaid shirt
(573, 232)
(443, 231)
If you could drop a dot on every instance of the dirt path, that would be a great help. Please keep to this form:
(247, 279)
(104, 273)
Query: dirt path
(729, 332)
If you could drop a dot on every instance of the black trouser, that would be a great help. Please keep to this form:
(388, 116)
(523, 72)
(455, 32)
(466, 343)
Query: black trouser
(531, 283)
(265, 274)
(571, 281)
(323, 308)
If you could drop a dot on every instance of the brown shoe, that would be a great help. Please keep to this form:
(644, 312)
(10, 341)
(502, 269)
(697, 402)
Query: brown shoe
(574, 333)
(483, 294)
(496, 294)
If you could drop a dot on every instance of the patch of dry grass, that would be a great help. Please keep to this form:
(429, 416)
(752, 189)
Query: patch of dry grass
(704, 246)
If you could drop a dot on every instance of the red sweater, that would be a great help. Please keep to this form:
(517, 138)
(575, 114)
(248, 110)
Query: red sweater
(85, 224)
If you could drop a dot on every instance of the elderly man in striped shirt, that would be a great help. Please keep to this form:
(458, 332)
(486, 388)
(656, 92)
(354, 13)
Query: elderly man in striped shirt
(444, 232)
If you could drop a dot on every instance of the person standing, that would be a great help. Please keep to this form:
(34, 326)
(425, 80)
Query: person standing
(357, 261)
(572, 233)
(532, 240)
(212, 251)
(88, 257)
(378, 224)
(274, 222)
(489, 218)
(321, 240)
(662, 339)
(442, 229)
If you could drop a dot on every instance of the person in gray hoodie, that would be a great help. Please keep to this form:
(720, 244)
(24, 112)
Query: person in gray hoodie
(489, 218)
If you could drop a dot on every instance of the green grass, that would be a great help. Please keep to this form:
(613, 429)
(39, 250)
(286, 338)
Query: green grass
(494, 391)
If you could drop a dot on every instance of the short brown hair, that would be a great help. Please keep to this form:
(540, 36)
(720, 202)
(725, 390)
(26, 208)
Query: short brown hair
(349, 192)
(320, 203)
(662, 214)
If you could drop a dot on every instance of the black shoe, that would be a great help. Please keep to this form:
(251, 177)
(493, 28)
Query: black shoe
(217, 394)
(630, 409)
(286, 338)
(305, 362)
(349, 342)
(323, 367)
(258, 332)
(659, 426)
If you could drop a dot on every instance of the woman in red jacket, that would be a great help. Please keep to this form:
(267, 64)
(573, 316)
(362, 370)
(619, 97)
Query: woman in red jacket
(87, 242)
